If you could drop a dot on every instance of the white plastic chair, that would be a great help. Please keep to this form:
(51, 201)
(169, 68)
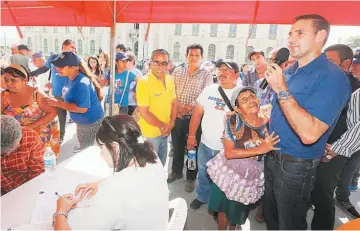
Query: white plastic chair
(179, 215)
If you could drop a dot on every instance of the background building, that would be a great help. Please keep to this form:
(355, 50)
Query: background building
(218, 40)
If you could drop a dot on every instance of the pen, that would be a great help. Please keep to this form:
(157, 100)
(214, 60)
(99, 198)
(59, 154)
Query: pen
(57, 194)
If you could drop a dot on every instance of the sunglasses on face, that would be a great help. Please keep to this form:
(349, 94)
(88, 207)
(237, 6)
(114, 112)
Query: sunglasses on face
(157, 63)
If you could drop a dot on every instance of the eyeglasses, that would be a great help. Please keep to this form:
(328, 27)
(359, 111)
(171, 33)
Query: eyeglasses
(247, 99)
(163, 64)
(224, 70)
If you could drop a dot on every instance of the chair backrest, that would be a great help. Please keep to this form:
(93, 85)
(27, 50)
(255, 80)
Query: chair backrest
(178, 218)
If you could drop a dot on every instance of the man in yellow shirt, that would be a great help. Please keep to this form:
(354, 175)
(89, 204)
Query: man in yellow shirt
(157, 103)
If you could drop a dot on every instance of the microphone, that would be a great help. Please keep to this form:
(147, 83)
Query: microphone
(281, 57)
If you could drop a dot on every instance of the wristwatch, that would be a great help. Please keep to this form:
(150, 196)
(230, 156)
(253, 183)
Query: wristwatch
(282, 95)
(59, 213)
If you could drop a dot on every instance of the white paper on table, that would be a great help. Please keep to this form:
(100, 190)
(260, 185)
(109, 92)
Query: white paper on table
(89, 161)
(44, 208)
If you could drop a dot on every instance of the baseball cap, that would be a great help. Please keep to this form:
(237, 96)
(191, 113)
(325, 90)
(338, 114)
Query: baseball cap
(121, 56)
(37, 55)
(121, 46)
(229, 63)
(23, 47)
(238, 91)
(356, 59)
(67, 58)
(256, 51)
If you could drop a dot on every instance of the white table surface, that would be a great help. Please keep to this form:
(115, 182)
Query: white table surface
(17, 206)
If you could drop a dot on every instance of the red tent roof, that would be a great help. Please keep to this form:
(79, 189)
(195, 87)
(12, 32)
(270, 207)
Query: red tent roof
(99, 13)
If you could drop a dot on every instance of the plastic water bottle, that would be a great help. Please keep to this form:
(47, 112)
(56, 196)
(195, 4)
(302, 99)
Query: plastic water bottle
(49, 162)
(191, 159)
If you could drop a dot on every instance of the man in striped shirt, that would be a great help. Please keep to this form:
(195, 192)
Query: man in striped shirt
(343, 146)
(190, 81)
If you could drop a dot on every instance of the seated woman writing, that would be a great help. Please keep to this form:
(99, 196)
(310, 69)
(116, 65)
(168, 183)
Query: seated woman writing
(237, 172)
(134, 197)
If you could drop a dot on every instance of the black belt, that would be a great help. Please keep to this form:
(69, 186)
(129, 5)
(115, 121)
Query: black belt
(284, 156)
(185, 117)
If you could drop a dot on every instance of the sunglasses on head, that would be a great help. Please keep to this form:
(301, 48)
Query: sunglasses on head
(14, 72)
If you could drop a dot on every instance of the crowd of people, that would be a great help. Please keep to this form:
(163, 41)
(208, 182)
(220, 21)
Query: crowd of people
(286, 147)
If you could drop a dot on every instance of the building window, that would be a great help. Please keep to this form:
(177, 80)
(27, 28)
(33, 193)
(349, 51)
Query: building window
(211, 52)
(92, 47)
(248, 50)
(29, 43)
(92, 30)
(195, 29)
(46, 49)
(272, 31)
(230, 52)
(56, 30)
(44, 29)
(136, 26)
(268, 50)
(67, 30)
(57, 46)
(176, 54)
(79, 47)
(252, 31)
(232, 30)
(213, 30)
(178, 29)
(136, 48)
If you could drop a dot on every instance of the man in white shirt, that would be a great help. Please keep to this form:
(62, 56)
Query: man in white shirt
(211, 107)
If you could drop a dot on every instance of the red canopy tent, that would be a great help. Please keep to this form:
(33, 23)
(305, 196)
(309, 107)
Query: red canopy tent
(109, 12)
(99, 13)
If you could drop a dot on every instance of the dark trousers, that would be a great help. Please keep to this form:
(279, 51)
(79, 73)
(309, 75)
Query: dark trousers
(131, 109)
(62, 117)
(346, 177)
(179, 139)
(322, 196)
(355, 179)
(288, 184)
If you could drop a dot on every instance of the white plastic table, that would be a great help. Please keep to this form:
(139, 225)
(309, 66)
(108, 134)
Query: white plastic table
(17, 206)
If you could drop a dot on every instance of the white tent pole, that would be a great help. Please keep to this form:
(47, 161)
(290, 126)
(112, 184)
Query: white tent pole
(112, 60)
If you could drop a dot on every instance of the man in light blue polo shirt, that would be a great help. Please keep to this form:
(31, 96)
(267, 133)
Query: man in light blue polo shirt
(309, 99)
(57, 82)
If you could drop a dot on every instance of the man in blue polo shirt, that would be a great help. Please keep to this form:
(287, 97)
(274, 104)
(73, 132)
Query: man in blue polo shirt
(309, 99)
(57, 82)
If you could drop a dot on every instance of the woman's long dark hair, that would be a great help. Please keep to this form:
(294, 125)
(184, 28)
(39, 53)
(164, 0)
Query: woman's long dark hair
(86, 70)
(124, 130)
(98, 71)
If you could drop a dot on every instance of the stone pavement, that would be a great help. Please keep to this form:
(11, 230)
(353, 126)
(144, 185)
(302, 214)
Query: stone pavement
(200, 219)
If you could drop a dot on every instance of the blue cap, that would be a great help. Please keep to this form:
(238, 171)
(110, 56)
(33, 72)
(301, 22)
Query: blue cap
(356, 59)
(121, 56)
(66, 59)
(37, 55)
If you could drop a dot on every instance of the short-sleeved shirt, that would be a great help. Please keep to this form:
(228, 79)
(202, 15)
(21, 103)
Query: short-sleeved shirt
(150, 92)
(119, 85)
(322, 89)
(137, 73)
(81, 91)
(57, 81)
(215, 109)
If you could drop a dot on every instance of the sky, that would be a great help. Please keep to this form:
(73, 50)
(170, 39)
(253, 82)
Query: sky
(335, 32)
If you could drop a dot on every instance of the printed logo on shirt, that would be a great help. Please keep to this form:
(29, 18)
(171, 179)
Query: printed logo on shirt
(219, 104)
(64, 91)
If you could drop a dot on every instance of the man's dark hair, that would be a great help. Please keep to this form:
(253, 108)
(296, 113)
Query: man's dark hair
(160, 51)
(121, 47)
(343, 50)
(319, 23)
(195, 46)
(67, 42)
